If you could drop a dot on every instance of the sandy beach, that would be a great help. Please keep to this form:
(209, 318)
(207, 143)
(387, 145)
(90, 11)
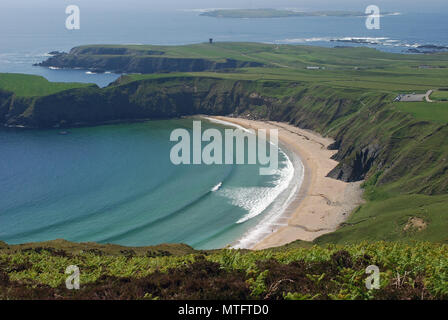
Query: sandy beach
(322, 203)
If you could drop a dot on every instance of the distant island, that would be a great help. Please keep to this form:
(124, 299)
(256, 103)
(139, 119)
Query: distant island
(275, 13)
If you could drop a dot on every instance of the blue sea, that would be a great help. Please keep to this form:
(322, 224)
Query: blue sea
(115, 183)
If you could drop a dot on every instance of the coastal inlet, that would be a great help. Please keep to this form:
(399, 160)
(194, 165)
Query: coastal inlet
(116, 184)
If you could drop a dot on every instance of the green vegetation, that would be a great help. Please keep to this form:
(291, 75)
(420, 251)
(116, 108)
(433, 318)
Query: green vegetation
(437, 112)
(440, 95)
(28, 85)
(363, 68)
(395, 218)
(274, 13)
(407, 271)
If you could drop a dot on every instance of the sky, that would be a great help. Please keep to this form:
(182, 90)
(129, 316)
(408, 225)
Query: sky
(352, 5)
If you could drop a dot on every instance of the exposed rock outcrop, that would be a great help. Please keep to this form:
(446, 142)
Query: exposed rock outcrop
(358, 166)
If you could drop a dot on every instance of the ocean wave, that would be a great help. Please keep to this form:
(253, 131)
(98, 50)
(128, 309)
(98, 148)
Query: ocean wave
(255, 200)
(272, 220)
(266, 226)
(202, 10)
(173, 214)
(381, 41)
(227, 123)
(83, 218)
(217, 187)
(330, 39)
(166, 217)
(302, 40)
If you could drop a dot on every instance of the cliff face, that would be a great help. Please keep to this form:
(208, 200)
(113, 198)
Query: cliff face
(161, 98)
(5, 102)
(124, 60)
(373, 139)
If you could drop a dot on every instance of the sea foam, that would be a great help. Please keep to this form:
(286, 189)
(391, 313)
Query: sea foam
(275, 205)
(256, 199)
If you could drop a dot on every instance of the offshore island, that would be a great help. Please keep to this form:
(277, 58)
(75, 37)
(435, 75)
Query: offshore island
(277, 13)
(341, 101)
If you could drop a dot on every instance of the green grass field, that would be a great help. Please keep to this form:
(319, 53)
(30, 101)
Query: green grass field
(440, 95)
(28, 85)
(437, 111)
(362, 68)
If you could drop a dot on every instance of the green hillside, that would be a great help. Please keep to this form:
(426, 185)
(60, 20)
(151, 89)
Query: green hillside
(28, 85)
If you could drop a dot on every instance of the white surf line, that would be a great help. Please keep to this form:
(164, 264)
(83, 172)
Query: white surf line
(281, 184)
(272, 222)
(227, 123)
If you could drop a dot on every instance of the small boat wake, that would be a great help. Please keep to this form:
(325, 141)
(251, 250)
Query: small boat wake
(217, 187)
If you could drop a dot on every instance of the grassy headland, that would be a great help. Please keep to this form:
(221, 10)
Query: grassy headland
(24, 85)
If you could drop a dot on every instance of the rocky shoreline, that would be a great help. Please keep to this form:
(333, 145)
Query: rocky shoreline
(123, 60)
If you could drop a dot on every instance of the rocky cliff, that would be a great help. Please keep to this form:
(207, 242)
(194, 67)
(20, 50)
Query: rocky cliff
(126, 60)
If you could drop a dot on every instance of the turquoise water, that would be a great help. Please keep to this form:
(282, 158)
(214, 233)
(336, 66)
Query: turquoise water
(116, 184)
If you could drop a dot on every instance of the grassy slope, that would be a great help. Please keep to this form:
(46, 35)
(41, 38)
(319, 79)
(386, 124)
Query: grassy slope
(28, 85)
(109, 249)
(437, 112)
(416, 271)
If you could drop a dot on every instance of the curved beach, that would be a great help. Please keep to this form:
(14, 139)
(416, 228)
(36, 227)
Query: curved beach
(322, 203)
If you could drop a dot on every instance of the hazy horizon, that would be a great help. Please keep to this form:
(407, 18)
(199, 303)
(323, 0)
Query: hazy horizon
(352, 5)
